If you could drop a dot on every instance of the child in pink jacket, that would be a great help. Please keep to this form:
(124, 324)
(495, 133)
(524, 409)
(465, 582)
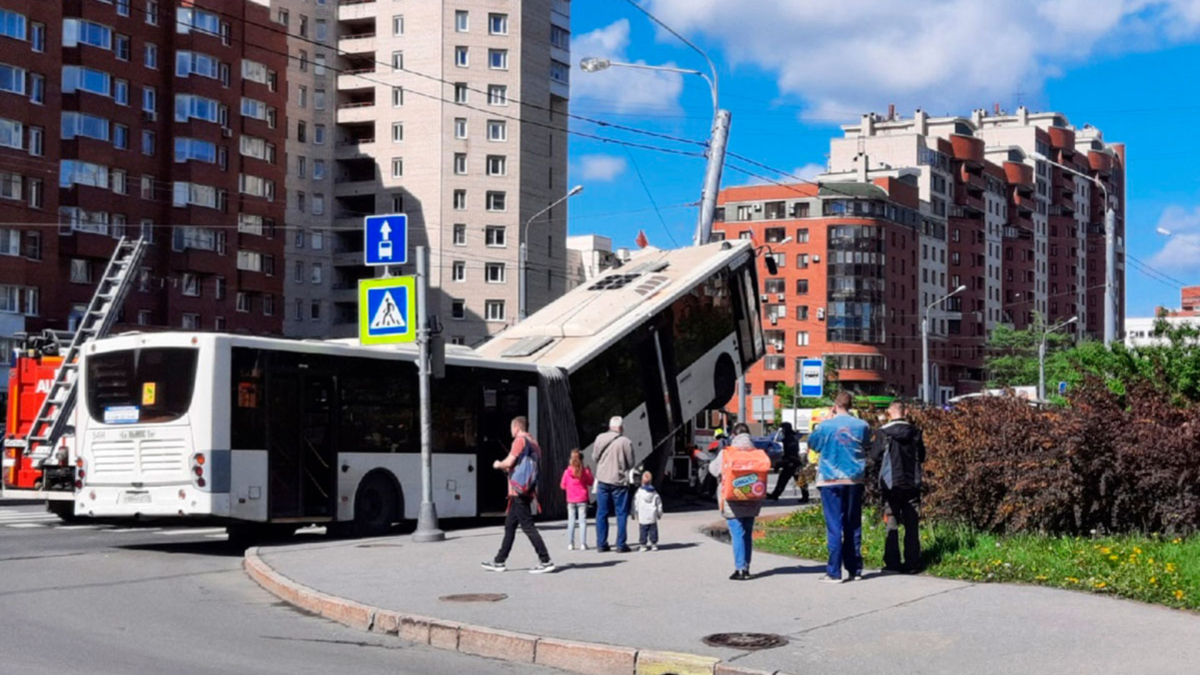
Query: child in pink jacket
(576, 481)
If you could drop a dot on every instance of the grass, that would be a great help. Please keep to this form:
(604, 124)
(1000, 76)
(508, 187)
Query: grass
(1150, 568)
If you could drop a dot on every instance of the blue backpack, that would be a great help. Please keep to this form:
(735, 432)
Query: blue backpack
(524, 476)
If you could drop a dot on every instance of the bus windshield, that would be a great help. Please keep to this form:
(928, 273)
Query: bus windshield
(140, 386)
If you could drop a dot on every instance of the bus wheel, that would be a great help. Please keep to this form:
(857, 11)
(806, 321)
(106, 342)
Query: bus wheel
(376, 506)
(64, 509)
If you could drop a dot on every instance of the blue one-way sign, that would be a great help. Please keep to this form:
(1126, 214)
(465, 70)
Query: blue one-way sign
(812, 378)
(386, 311)
(386, 239)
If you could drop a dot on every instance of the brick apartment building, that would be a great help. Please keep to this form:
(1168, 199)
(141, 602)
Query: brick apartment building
(910, 210)
(120, 117)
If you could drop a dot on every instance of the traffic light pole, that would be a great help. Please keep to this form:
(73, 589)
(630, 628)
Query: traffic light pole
(427, 520)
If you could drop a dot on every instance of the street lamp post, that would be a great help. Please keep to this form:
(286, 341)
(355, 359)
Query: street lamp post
(522, 300)
(1042, 355)
(1110, 251)
(718, 138)
(925, 342)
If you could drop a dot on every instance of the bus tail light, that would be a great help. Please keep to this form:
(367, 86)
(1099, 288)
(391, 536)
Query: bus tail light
(198, 461)
(80, 473)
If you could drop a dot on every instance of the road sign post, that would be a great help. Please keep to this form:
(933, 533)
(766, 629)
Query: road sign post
(812, 378)
(427, 520)
(385, 240)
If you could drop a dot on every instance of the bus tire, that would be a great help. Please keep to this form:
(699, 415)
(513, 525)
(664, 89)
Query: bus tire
(376, 505)
(64, 509)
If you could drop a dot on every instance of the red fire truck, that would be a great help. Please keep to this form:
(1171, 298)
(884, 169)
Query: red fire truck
(30, 381)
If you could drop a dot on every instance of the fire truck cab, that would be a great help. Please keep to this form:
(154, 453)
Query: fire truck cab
(30, 381)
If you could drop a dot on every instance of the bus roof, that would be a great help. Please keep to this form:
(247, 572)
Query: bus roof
(455, 355)
(608, 307)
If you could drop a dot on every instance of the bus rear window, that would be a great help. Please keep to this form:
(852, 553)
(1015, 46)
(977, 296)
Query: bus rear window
(140, 386)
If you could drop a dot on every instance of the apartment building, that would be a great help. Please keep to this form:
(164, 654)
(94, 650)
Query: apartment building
(136, 117)
(453, 113)
(993, 214)
(317, 303)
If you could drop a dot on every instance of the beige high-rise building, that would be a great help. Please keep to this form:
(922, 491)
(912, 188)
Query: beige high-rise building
(450, 111)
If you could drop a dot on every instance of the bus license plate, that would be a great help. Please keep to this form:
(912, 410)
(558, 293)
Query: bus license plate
(136, 498)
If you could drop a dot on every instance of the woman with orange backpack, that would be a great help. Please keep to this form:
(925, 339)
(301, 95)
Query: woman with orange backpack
(742, 471)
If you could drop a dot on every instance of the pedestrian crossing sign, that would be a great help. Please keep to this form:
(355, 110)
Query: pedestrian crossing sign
(386, 310)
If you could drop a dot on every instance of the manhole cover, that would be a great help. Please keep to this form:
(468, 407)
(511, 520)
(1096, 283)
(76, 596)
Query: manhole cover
(474, 597)
(746, 641)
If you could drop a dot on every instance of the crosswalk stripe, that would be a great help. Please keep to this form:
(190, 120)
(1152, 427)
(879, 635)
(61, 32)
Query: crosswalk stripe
(192, 531)
(126, 530)
(78, 527)
(23, 525)
(23, 515)
(216, 536)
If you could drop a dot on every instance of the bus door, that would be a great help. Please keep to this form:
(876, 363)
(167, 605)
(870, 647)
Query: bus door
(301, 454)
(660, 384)
(503, 399)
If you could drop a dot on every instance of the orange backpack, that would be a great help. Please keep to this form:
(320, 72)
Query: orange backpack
(744, 474)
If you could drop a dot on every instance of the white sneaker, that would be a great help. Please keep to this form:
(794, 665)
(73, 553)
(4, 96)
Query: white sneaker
(653, 547)
(543, 568)
(826, 579)
(570, 547)
(584, 547)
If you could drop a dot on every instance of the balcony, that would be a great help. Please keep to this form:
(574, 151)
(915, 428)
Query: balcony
(356, 112)
(348, 222)
(967, 148)
(354, 186)
(363, 43)
(355, 10)
(345, 293)
(343, 258)
(350, 80)
(354, 149)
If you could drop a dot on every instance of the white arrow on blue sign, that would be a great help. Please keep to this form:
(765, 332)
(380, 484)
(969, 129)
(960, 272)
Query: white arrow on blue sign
(386, 239)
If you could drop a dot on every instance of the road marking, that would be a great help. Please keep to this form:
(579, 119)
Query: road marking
(312, 529)
(23, 525)
(27, 516)
(192, 531)
(78, 527)
(126, 530)
(216, 536)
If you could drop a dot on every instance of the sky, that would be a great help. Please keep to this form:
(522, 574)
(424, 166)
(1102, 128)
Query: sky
(792, 71)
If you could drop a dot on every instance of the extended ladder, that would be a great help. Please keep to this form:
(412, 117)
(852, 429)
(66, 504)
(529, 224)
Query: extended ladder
(102, 311)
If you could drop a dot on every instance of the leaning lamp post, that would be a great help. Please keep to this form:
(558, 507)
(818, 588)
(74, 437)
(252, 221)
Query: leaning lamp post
(718, 138)
(925, 342)
(522, 300)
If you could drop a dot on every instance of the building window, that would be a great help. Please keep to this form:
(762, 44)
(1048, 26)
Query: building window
(458, 271)
(191, 285)
(497, 165)
(802, 338)
(495, 235)
(322, 30)
(460, 200)
(494, 310)
(37, 37)
(397, 167)
(36, 194)
(462, 57)
(37, 140)
(397, 97)
(398, 24)
(497, 94)
(496, 201)
(460, 128)
(802, 236)
(460, 163)
(460, 234)
(497, 130)
(801, 286)
(298, 269)
(462, 21)
(191, 321)
(152, 12)
(318, 134)
(397, 132)
(397, 203)
(318, 204)
(559, 71)
(243, 301)
(81, 271)
(397, 60)
(314, 310)
(494, 273)
(458, 309)
(318, 99)
(316, 274)
(498, 24)
(498, 59)
(151, 55)
(318, 169)
(219, 288)
(460, 92)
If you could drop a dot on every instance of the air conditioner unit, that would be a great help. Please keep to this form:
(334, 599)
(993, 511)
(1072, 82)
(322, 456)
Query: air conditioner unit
(816, 258)
(227, 132)
(758, 207)
(820, 314)
(780, 297)
(774, 320)
(764, 297)
(150, 115)
(778, 346)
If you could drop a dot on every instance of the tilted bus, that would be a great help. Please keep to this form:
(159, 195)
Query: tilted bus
(249, 430)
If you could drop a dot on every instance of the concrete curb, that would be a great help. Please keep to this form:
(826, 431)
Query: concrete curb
(577, 657)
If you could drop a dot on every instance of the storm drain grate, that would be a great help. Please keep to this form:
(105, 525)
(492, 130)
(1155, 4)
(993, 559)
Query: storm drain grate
(474, 597)
(746, 641)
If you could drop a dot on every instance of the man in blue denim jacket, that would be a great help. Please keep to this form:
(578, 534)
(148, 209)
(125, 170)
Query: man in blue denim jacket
(842, 442)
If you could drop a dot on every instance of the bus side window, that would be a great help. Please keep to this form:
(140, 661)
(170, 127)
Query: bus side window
(247, 418)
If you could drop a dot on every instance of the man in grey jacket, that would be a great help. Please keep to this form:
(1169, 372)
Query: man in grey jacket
(612, 454)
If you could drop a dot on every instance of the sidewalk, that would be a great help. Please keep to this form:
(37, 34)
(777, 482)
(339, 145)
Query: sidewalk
(670, 599)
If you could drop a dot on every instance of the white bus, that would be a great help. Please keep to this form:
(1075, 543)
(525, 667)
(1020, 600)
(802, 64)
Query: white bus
(249, 431)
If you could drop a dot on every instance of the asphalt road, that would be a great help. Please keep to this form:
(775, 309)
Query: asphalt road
(112, 599)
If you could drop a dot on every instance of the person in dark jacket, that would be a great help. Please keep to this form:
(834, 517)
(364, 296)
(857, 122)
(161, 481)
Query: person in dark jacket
(899, 452)
(789, 467)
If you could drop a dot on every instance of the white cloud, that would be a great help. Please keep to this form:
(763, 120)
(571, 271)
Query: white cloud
(846, 57)
(801, 174)
(1181, 249)
(602, 168)
(622, 89)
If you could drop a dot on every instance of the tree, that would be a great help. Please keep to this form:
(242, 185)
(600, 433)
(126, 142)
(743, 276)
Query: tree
(1012, 355)
(787, 393)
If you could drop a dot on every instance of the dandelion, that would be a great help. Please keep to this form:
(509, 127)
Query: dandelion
(1176, 540)
(1106, 550)
(1170, 568)
(1113, 557)
(1072, 580)
(1154, 580)
(1041, 577)
(1150, 561)
(1100, 584)
(1137, 550)
(1178, 594)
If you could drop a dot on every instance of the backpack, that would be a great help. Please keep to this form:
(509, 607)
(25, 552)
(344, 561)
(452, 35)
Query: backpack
(744, 474)
(524, 476)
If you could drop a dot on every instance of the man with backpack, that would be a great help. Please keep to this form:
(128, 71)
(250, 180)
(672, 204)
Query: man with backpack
(841, 443)
(742, 471)
(521, 465)
(900, 451)
(613, 456)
